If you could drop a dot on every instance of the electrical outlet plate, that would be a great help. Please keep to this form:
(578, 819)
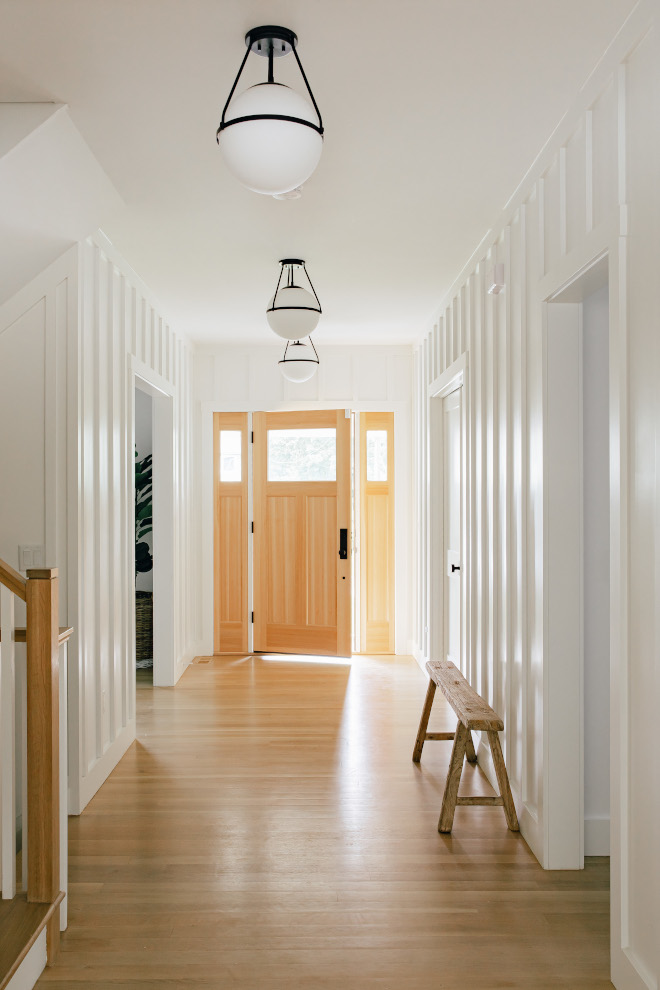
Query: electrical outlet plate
(30, 555)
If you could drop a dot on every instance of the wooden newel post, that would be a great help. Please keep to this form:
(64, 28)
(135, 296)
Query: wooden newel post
(43, 743)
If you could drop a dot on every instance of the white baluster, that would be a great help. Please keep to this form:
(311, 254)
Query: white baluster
(64, 787)
(21, 708)
(7, 745)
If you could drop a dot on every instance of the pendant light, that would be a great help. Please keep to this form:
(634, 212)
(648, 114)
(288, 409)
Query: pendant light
(294, 311)
(300, 361)
(270, 136)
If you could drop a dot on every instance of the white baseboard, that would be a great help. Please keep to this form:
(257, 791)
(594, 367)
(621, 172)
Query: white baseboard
(419, 656)
(101, 770)
(530, 828)
(596, 837)
(32, 966)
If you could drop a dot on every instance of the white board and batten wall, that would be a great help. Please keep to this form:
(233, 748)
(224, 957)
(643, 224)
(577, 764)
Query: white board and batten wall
(71, 343)
(592, 193)
(248, 379)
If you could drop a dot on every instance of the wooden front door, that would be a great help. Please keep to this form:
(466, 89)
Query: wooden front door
(302, 567)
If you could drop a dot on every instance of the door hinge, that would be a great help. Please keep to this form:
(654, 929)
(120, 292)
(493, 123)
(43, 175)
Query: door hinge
(253, 618)
(252, 437)
(252, 525)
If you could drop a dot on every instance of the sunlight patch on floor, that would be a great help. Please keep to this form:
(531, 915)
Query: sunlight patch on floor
(305, 658)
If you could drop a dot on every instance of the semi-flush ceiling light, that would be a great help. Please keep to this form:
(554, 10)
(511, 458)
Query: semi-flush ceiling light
(300, 361)
(293, 312)
(270, 136)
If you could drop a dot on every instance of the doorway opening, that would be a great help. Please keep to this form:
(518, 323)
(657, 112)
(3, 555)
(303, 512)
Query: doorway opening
(154, 497)
(144, 537)
(303, 509)
(577, 560)
(447, 515)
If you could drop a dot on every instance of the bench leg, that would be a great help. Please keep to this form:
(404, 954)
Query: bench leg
(423, 722)
(453, 779)
(503, 781)
(469, 749)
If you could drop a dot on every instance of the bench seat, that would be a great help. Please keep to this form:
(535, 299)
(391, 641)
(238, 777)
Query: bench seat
(472, 712)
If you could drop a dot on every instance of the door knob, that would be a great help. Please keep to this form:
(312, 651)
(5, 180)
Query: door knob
(455, 567)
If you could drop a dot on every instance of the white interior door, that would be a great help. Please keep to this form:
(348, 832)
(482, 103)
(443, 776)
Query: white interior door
(452, 501)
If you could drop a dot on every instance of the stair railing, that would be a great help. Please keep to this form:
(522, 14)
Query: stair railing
(33, 696)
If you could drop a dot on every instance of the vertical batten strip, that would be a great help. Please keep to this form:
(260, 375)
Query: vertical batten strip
(449, 336)
(589, 171)
(457, 310)
(94, 519)
(425, 503)
(130, 551)
(125, 520)
(524, 488)
(483, 478)
(432, 355)
(491, 492)
(417, 457)
(142, 328)
(468, 499)
(618, 552)
(102, 482)
(113, 494)
(133, 311)
(540, 233)
(462, 336)
(51, 431)
(506, 489)
(563, 216)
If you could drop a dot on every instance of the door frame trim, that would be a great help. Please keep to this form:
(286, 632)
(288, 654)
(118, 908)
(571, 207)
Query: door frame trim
(402, 495)
(140, 376)
(455, 377)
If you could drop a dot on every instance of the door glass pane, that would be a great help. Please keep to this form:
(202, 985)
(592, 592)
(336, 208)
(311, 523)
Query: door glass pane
(376, 455)
(230, 455)
(302, 455)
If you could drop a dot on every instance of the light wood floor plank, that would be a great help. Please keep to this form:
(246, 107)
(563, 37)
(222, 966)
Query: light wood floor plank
(268, 830)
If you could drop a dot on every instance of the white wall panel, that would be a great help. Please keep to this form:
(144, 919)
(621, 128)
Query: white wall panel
(65, 346)
(119, 321)
(603, 155)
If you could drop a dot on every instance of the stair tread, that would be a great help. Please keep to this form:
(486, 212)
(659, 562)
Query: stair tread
(20, 924)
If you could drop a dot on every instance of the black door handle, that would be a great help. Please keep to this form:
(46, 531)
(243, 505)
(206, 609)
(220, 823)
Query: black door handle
(455, 567)
(343, 544)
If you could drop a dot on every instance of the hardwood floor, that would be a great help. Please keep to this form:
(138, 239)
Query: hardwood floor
(269, 830)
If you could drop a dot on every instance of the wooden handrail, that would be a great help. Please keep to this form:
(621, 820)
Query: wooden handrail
(20, 634)
(13, 580)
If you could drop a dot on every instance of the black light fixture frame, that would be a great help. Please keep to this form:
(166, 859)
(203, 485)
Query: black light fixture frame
(290, 263)
(270, 41)
(305, 360)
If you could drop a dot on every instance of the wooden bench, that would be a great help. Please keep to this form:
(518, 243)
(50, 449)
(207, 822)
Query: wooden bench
(472, 712)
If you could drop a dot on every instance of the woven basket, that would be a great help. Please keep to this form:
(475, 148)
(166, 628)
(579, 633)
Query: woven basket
(144, 625)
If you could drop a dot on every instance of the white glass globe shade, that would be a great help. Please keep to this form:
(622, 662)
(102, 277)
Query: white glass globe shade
(300, 364)
(297, 313)
(271, 156)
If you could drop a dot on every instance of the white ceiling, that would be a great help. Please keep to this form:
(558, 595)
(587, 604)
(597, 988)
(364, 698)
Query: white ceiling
(433, 110)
